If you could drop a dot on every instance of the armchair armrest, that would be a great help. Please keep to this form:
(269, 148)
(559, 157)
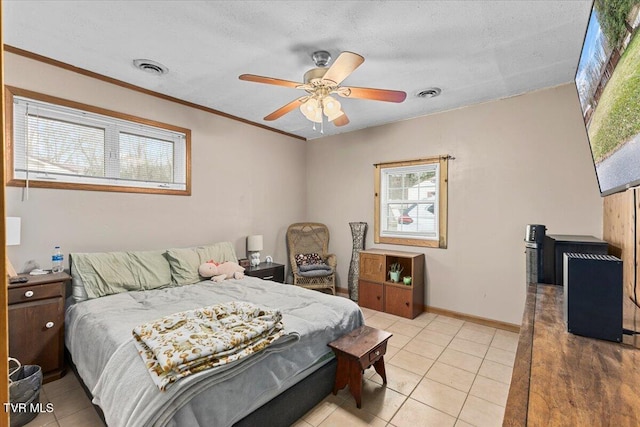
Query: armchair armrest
(330, 260)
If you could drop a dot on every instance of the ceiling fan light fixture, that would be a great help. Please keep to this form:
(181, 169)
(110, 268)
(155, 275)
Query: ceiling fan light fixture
(330, 104)
(331, 108)
(334, 115)
(312, 110)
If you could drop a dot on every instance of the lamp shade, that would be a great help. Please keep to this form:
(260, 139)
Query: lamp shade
(312, 110)
(331, 108)
(254, 243)
(12, 230)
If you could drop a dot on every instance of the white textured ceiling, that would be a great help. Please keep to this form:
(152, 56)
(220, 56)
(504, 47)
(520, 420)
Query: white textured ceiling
(475, 51)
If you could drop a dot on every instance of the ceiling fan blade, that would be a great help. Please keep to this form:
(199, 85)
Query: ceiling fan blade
(375, 94)
(344, 65)
(342, 120)
(268, 80)
(285, 109)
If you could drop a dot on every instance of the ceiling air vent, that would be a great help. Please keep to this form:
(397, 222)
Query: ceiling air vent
(151, 67)
(432, 92)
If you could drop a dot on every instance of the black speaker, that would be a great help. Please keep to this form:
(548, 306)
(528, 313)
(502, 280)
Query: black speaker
(533, 241)
(593, 295)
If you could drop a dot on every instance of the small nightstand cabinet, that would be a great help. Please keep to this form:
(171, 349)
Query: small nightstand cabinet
(267, 271)
(377, 292)
(36, 323)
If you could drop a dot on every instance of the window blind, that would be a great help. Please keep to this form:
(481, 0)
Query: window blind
(409, 201)
(68, 145)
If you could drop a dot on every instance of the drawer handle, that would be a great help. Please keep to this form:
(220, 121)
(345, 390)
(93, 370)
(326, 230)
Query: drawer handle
(28, 294)
(377, 352)
(268, 277)
(49, 325)
(378, 297)
(407, 304)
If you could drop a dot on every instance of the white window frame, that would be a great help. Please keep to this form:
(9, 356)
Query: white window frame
(21, 102)
(437, 238)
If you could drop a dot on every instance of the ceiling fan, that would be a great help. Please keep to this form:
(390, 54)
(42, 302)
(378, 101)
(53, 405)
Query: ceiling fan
(320, 83)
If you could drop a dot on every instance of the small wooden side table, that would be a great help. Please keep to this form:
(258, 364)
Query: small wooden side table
(357, 351)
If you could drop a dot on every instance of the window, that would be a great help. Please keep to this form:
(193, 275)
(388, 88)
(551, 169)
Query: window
(411, 202)
(57, 143)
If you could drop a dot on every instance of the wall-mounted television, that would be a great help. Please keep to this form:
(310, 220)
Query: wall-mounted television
(608, 84)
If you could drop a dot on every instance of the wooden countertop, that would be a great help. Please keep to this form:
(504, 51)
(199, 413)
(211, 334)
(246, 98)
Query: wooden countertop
(561, 379)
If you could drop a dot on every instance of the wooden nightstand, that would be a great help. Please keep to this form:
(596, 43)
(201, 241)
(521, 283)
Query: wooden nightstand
(36, 323)
(357, 351)
(267, 271)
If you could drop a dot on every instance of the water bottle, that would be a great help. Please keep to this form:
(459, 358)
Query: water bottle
(57, 260)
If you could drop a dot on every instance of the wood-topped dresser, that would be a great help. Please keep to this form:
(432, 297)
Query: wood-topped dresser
(561, 379)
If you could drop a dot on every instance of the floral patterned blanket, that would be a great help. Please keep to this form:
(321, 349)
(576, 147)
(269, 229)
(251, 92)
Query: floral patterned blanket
(191, 341)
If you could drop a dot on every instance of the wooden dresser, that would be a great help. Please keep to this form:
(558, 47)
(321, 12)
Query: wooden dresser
(377, 292)
(561, 379)
(36, 323)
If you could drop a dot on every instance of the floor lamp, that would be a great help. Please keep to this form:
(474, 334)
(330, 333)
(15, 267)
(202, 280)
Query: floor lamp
(12, 231)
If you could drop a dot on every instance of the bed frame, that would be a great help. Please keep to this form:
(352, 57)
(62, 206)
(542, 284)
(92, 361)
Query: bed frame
(281, 411)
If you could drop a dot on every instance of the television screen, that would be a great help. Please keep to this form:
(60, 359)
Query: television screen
(608, 84)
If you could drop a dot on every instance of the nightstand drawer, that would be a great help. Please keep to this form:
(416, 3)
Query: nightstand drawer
(267, 271)
(35, 292)
(268, 274)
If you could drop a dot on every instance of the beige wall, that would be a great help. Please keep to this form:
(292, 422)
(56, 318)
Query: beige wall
(245, 180)
(518, 161)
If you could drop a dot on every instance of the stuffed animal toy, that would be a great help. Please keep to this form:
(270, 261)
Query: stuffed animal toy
(221, 271)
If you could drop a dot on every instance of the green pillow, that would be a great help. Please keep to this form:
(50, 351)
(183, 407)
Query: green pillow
(184, 262)
(109, 273)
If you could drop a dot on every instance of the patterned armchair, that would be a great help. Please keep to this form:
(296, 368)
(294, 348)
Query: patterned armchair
(303, 240)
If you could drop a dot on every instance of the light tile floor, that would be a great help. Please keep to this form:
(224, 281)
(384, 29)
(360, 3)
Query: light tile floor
(441, 372)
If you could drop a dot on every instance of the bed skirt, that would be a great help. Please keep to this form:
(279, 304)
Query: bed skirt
(281, 411)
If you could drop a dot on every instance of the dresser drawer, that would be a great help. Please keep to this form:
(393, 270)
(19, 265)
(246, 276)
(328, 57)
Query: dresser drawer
(35, 292)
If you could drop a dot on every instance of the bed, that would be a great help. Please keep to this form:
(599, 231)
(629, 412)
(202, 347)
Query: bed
(111, 369)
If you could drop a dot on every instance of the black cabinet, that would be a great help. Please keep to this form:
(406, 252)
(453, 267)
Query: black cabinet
(555, 245)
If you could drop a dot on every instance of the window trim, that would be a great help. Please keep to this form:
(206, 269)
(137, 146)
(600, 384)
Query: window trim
(442, 203)
(10, 179)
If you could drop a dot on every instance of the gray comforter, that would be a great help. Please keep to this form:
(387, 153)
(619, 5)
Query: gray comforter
(98, 335)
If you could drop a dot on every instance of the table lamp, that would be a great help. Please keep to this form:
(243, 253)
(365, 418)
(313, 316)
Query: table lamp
(12, 231)
(254, 246)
